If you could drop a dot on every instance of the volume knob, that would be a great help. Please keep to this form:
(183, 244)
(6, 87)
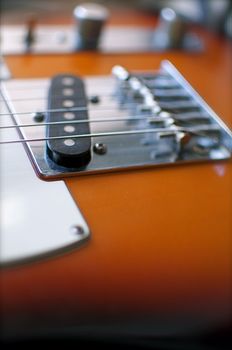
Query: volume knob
(171, 30)
(90, 18)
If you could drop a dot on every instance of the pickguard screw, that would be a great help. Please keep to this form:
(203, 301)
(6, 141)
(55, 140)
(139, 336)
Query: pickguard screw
(100, 148)
(77, 230)
(38, 117)
(94, 99)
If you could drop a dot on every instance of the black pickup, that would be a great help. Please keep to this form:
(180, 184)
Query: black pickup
(67, 103)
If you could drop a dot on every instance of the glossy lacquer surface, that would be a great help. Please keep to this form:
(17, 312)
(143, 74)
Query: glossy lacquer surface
(159, 259)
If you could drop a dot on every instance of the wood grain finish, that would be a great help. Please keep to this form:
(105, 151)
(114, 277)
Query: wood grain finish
(160, 254)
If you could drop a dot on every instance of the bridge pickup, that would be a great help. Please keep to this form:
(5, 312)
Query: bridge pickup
(67, 108)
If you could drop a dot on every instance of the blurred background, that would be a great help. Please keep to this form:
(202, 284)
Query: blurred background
(216, 15)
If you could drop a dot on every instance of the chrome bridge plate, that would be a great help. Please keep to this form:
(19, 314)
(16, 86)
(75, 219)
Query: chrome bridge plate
(124, 135)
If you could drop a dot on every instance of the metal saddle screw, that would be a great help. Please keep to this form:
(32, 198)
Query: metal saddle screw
(100, 148)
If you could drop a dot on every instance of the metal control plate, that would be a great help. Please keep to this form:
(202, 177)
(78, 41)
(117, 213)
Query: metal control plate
(62, 39)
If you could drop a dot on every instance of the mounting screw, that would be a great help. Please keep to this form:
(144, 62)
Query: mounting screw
(77, 230)
(94, 99)
(38, 117)
(100, 148)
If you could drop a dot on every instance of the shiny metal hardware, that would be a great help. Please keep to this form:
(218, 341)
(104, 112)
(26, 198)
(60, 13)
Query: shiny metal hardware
(91, 18)
(172, 29)
(130, 130)
(38, 117)
(172, 33)
(120, 73)
(100, 148)
(78, 230)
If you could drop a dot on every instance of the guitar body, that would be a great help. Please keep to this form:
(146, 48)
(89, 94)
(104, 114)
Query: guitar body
(159, 259)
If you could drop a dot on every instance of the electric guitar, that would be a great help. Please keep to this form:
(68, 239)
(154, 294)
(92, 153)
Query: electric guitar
(116, 239)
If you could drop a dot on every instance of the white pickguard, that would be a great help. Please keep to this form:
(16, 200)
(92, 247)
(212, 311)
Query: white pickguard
(37, 217)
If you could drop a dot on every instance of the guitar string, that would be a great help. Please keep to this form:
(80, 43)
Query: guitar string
(125, 106)
(186, 115)
(192, 130)
(152, 118)
(70, 109)
(163, 106)
(143, 110)
(21, 99)
(101, 120)
(100, 96)
(162, 81)
(155, 90)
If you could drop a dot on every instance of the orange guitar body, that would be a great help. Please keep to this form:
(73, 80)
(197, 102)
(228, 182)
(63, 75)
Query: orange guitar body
(159, 261)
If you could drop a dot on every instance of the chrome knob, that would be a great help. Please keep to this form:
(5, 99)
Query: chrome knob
(171, 30)
(90, 19)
